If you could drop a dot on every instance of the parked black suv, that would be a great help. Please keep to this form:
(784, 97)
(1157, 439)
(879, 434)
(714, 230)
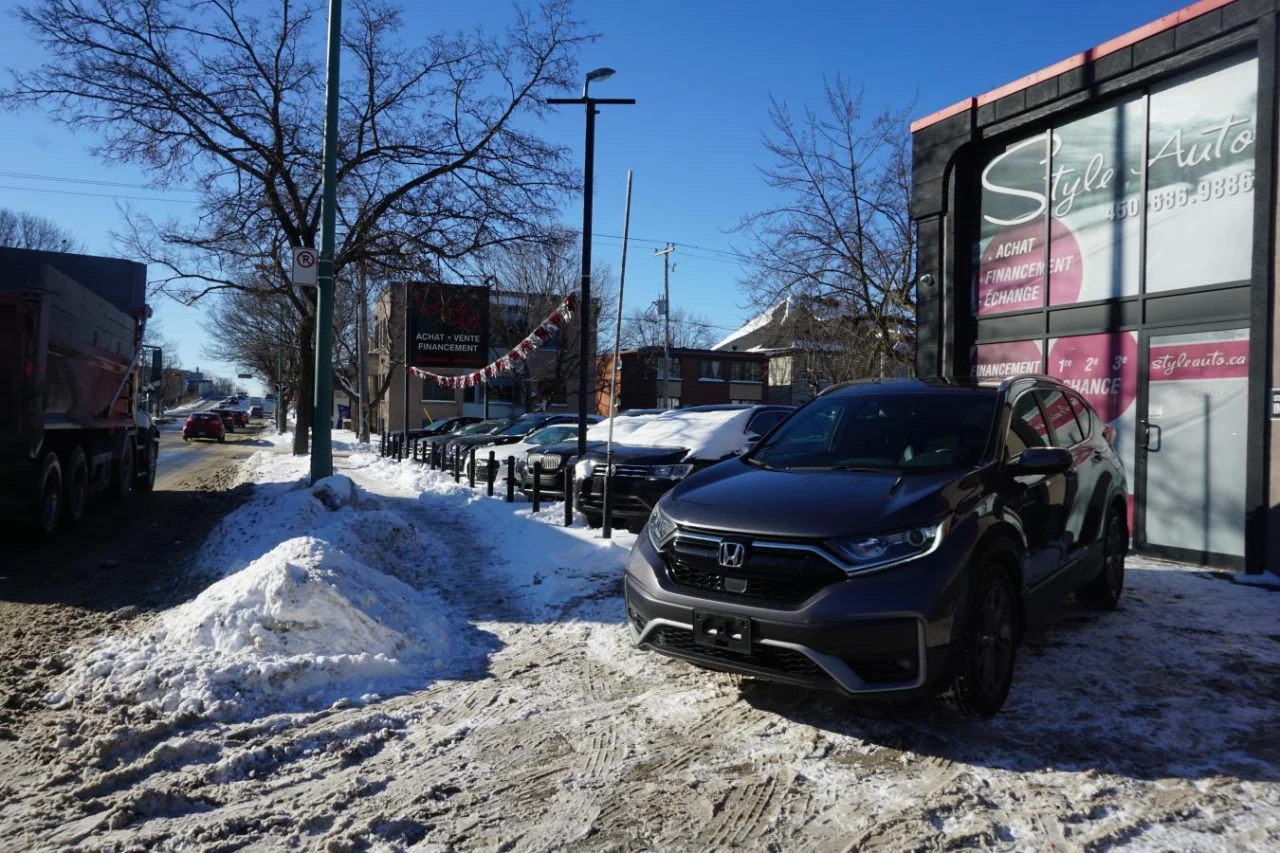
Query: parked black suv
(889, 538)
(643, 473)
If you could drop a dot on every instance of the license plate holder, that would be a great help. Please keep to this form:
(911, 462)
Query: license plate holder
(722, 631)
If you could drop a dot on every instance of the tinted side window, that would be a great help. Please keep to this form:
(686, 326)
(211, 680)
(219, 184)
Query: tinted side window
(1083, 414)
(764, 422)
(1062, 418)
(1026, 426)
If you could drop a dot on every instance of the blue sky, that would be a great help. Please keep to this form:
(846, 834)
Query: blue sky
(702, 73)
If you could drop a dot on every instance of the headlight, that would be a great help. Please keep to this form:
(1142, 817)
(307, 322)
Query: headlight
(660, 527)
(584, 469)
(670, 472)
(882, 549)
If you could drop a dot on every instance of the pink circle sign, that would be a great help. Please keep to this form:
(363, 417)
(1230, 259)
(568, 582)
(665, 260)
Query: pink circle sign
(1011, 271)
(1102, 368)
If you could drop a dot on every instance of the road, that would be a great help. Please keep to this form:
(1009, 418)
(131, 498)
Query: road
(124, 561)
(179, 459)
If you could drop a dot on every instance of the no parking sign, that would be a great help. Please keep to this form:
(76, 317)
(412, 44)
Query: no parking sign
(304, 266)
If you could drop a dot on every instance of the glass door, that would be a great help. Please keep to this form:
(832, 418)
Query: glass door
(1191, 446)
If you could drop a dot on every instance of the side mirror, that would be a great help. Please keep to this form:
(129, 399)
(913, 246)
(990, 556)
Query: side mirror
(1041, 460)
(752, 440)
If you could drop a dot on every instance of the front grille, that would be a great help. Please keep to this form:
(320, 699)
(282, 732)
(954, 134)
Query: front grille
(637, 472)
(777, 575)
(784, 661)
(550, 461)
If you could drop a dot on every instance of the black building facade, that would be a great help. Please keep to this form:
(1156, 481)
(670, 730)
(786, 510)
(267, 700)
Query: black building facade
(1111, 221)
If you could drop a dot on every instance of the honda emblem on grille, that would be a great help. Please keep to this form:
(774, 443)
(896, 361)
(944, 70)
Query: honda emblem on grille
(732, 554)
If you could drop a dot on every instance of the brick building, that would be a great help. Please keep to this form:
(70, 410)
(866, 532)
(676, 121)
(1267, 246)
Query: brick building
(699, 377)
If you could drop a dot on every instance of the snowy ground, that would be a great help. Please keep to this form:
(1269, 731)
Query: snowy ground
(428, 667)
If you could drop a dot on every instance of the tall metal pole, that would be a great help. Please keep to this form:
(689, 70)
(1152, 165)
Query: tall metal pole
(281, 419)
(666, 317)
(584, 322)
(406, 359)
(588, 181)
(613, 369)
(362, 343)
(322, 411)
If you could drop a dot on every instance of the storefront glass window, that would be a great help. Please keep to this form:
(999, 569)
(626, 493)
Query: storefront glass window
(1000, 361)
(1009, 257)
(1095, 187)
(1201, 177)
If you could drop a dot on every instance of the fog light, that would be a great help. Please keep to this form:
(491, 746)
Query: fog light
(904, 663)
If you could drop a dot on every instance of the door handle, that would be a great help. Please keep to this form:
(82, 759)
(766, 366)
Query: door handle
(1159, 438)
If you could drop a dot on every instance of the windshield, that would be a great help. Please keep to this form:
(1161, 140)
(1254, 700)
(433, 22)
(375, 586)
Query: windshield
(522, 427)
(482, 428)
(890, 431)
(559, 432)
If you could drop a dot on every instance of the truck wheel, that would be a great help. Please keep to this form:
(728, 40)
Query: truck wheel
(147, 476)
(122, 487)
(77, 491)
(50, 495)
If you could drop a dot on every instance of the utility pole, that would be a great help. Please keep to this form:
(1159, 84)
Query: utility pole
(666, 317)
(362, 344)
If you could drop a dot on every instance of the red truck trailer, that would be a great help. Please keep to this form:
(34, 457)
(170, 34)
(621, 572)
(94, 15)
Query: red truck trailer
(70, 343)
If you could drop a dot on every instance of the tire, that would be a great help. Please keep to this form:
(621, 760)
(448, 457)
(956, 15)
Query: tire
(595, 522)
(48, 510)
(986, 653)
(76, 489)
(186, 438)
(122, 481)
(222, 439)
(147, 478)
(1104, 591)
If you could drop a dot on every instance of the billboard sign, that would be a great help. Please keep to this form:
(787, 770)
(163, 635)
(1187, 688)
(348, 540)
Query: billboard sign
(448, 325)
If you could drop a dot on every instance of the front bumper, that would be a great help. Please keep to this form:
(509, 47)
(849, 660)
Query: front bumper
(887, 633)
(632, 496)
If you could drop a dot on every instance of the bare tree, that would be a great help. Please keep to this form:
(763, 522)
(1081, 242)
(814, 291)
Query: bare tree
(530, 281)
(256, 332)
(434, 162)
(645, 328)
(21, 230)
(840, 240)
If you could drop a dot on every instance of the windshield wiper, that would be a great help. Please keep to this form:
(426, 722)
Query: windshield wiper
(860, 468)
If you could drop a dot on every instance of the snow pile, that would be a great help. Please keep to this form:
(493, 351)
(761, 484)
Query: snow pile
(320, 602)
(547, 570)
(335, 492)
(705, 435)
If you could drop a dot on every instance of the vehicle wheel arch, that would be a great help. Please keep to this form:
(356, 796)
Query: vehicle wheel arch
(1003, 545)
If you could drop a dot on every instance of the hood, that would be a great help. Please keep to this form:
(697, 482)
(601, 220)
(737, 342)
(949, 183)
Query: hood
(632, 455)
(736, 497)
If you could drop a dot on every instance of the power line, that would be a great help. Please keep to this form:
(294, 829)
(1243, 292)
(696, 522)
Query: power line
(28, 176)
(99, 195)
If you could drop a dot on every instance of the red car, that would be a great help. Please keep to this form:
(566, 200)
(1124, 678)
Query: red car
(241, 417)
(228, 418)
(203, 425)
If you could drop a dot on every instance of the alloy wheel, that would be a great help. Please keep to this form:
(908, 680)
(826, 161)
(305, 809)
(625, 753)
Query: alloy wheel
(994, 650)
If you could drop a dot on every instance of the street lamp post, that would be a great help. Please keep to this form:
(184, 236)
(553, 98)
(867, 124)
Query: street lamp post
(322, 401)
(584, 342)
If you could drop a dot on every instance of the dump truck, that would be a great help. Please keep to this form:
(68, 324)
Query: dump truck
(71, 424)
